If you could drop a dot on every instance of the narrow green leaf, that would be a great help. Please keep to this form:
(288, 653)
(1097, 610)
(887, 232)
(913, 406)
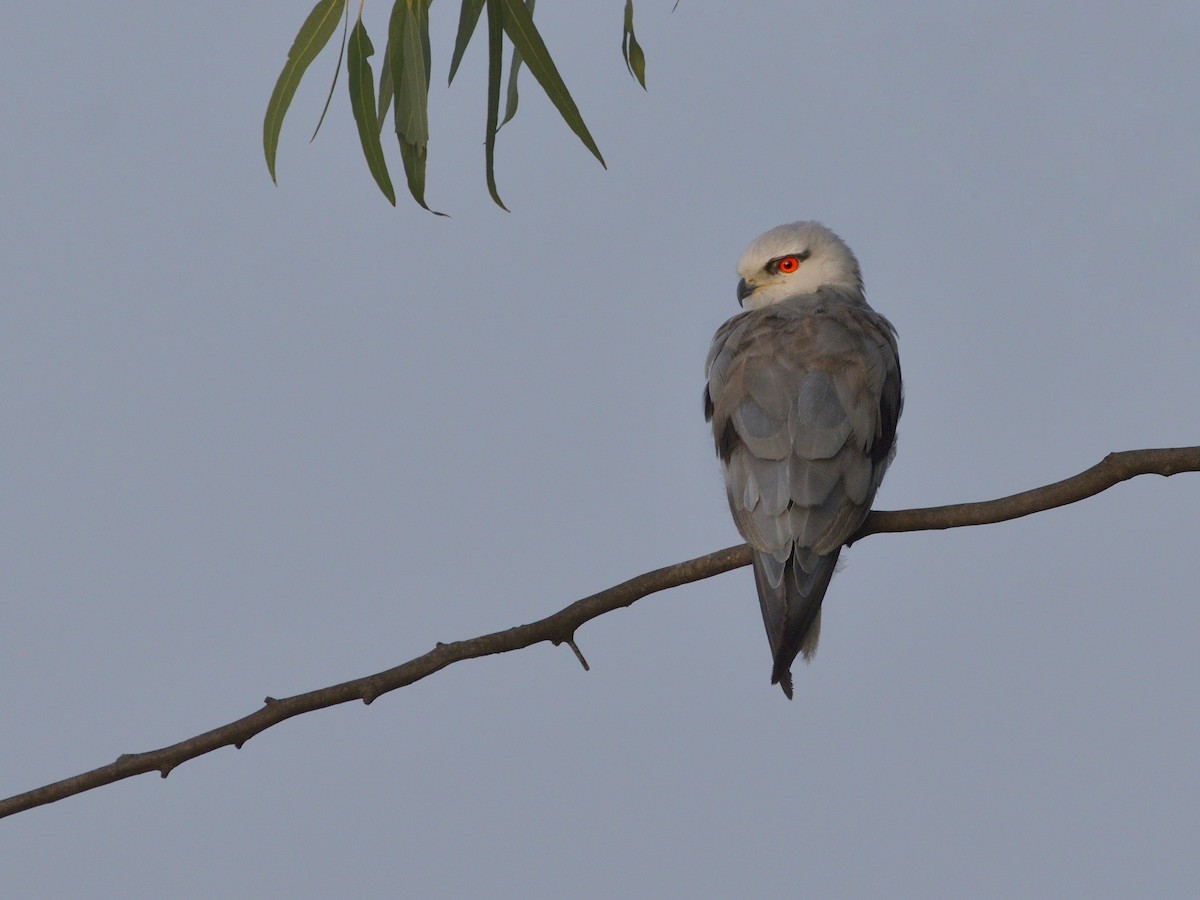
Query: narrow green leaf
(495, 16)
(412, 88)
(414, 169)
(336, 70)
(519, 27)
(408, 40)
(395, 58)
(362, 102)
(428, 57)
(387, 84)
(386, 87)
(314, 34)
(635, 59)
(510, 105)
(467, 20)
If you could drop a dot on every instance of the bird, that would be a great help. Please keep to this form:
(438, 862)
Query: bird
(804, 394)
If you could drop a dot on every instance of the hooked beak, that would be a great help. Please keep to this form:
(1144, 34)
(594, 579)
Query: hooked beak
(744, 290)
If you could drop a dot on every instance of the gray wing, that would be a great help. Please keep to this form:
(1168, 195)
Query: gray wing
(804, 408)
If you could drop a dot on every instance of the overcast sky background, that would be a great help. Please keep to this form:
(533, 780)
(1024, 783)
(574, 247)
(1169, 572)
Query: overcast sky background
(262, 439)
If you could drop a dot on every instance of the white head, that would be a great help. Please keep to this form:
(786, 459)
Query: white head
(793, 260)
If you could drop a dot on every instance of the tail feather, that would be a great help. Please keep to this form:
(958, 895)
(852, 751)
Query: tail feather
(792, 611)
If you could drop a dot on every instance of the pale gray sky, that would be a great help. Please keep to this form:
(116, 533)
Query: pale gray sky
(258, 440)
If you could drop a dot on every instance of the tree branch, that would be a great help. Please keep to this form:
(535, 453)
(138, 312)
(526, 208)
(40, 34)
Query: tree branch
(560, 627)
(1110, 471)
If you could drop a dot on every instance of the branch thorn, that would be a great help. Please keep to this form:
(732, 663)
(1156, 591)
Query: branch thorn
(570, 642)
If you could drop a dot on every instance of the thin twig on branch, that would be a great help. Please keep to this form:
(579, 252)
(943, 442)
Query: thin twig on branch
(560, 628)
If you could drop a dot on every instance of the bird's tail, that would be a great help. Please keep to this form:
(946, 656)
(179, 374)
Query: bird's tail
(790, 598)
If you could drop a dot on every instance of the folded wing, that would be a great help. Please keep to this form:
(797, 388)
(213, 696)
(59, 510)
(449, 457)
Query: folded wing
(804, 402)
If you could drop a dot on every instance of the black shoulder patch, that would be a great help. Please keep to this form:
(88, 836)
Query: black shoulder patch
(727, 441)
(890, 406)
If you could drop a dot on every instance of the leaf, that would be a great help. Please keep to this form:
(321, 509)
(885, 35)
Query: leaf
(314, 34)
(362, 102)
(412, 87)
(467, 20)
(518, 24)
(414, 169)
(495, 16)
(408, 40)
(336, 70)
(635, 59)
(395, 46)
(510, 105)
(386, 87)
(425, 39)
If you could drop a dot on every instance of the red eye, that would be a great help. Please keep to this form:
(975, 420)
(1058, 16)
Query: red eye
(788, 264)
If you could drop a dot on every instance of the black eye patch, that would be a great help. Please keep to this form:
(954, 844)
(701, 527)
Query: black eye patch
(772, 267)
